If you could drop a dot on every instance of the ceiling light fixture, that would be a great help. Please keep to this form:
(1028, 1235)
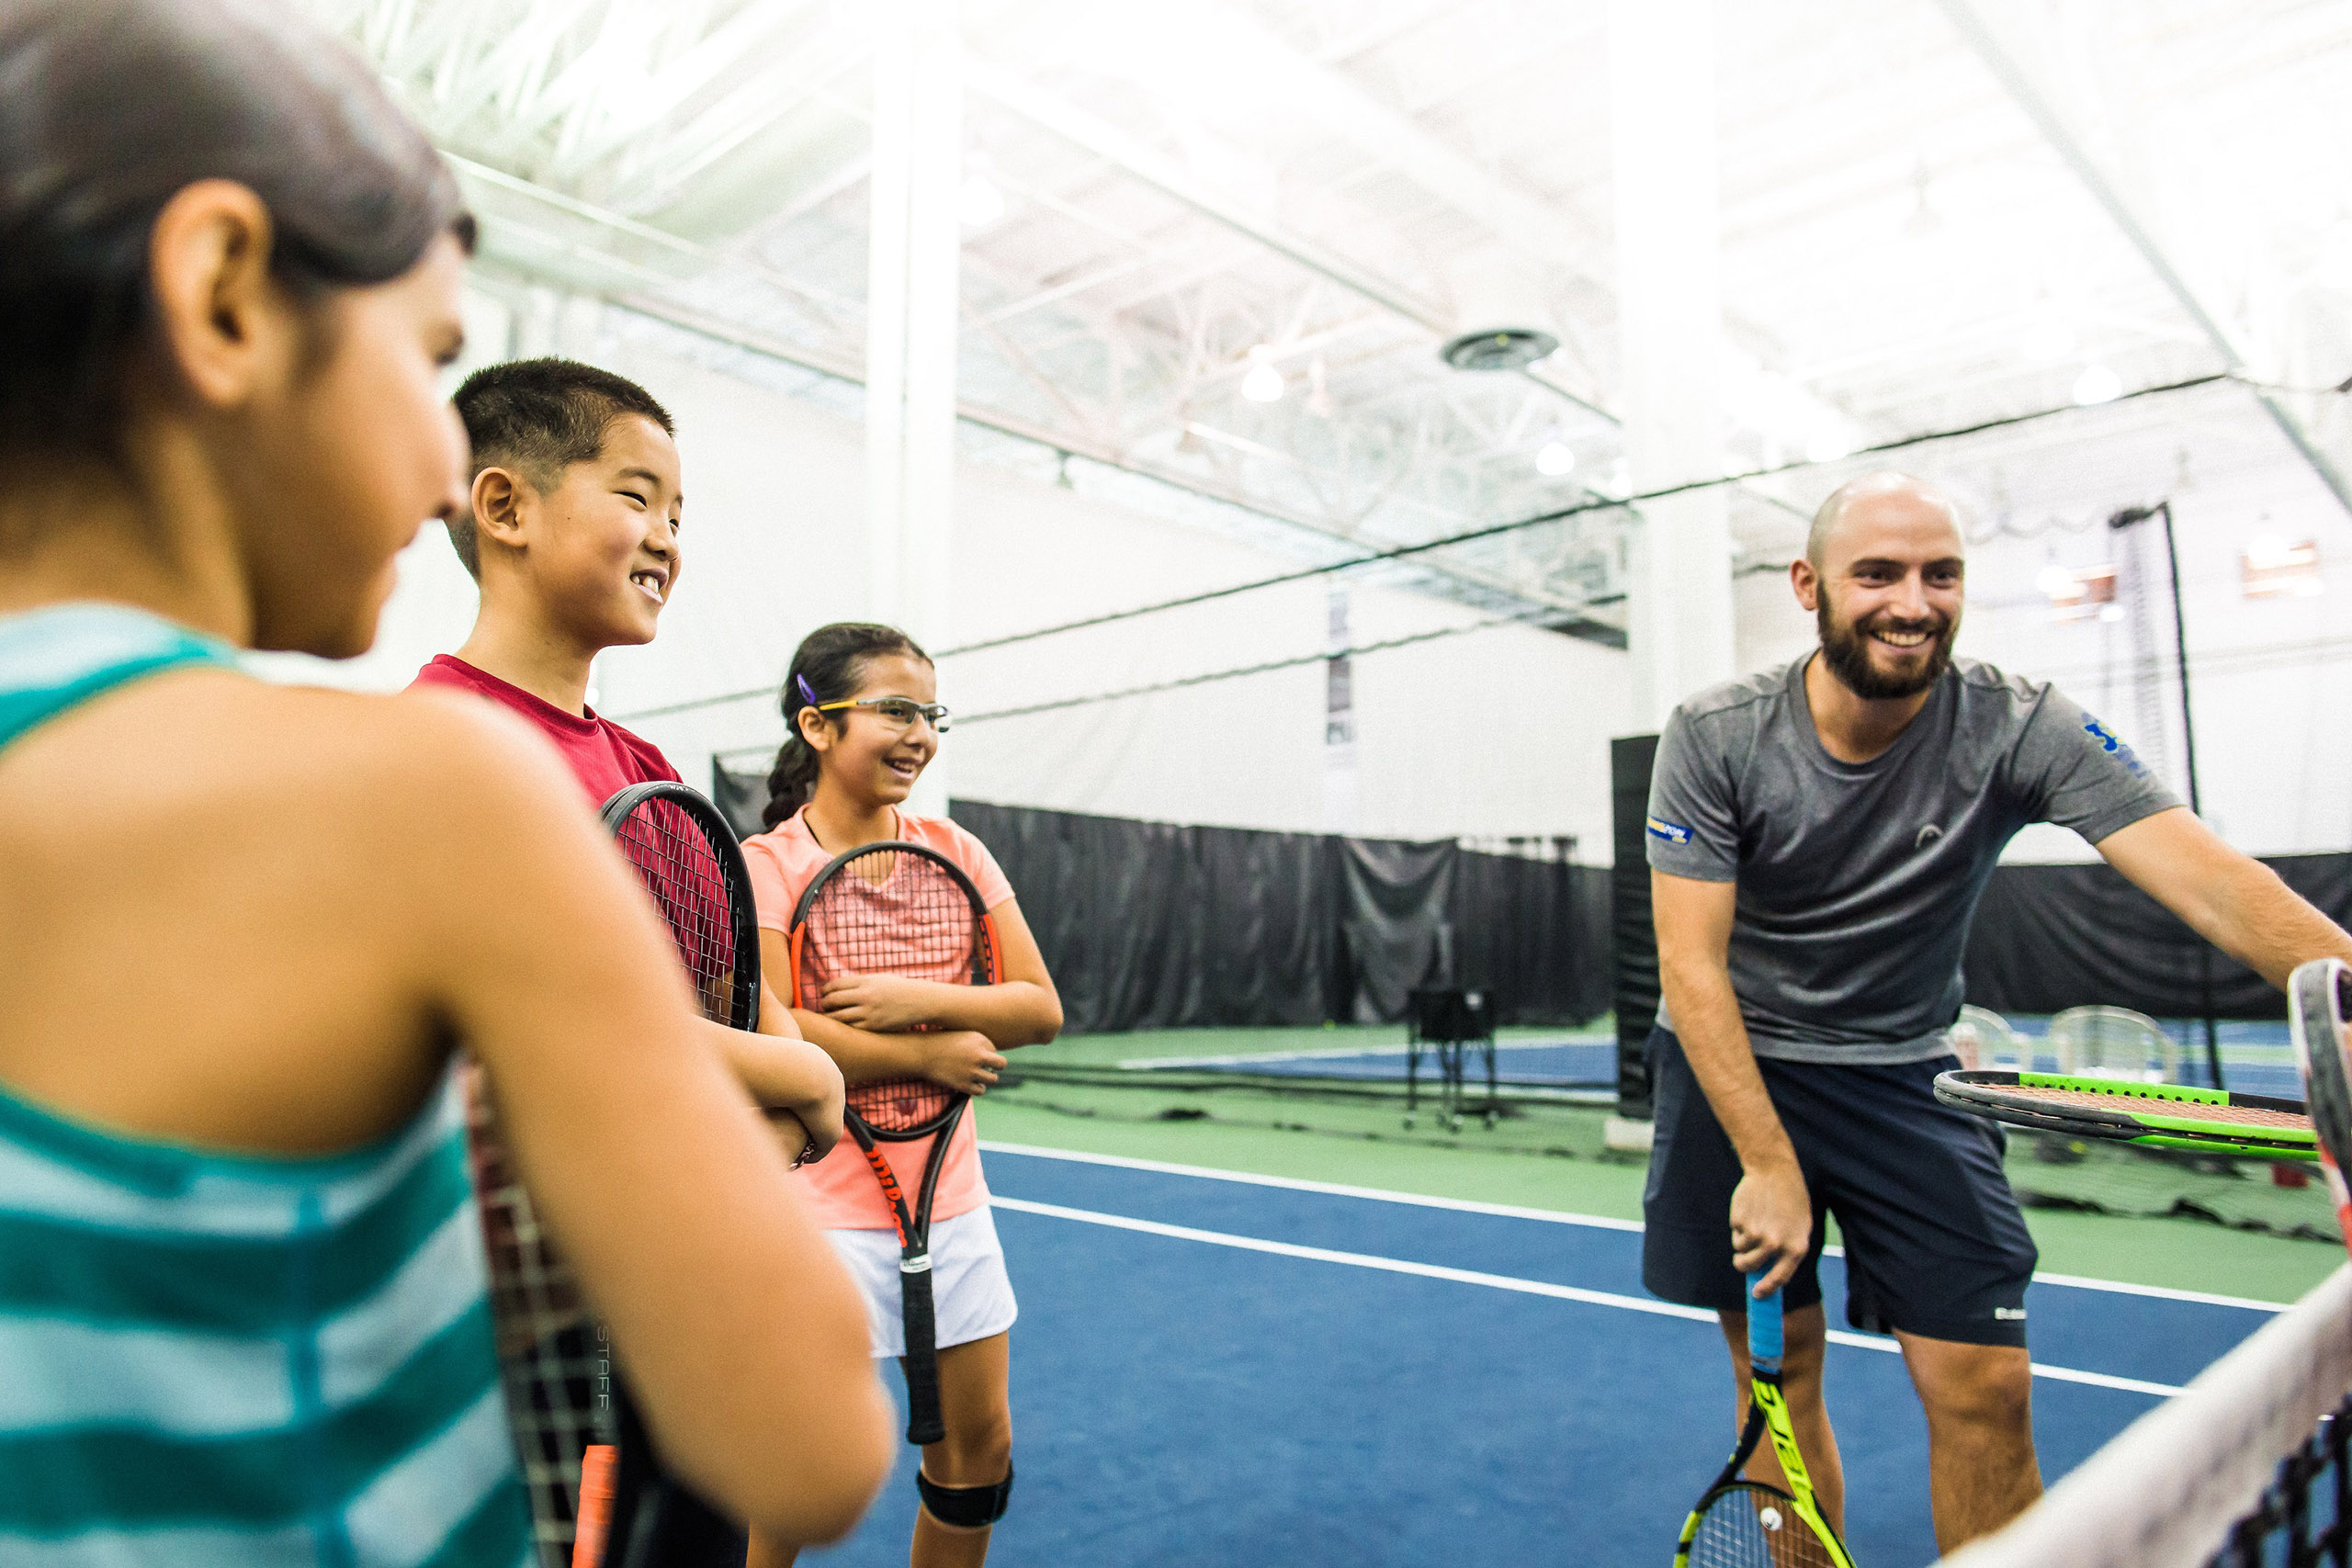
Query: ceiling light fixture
(1924, 221)
(1263, 384)
(2098, 384)
(2276, 568)
(1554, 458)
(978, 202)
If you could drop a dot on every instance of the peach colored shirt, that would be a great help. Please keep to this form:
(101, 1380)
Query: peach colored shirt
(840, 1189)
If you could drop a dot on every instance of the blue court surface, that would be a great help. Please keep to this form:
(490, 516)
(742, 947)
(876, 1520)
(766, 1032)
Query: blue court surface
(1222, 1370)
(2257, 1057)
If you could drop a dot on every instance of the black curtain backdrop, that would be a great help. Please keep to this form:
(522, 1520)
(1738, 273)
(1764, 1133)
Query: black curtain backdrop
(1634, 983)
(2049, 937)
(1154, 925)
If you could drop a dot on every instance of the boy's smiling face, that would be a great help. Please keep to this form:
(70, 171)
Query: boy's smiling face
(605, 554)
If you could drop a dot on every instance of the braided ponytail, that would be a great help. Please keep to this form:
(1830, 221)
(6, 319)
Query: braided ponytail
(825, 667)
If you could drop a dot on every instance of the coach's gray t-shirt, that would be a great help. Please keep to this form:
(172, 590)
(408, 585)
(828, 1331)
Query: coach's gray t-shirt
(1856, 881)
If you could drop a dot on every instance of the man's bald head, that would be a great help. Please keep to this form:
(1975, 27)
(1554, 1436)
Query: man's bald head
(1886, 488)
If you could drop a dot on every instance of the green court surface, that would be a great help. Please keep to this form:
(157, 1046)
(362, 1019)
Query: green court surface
(1075, 1094)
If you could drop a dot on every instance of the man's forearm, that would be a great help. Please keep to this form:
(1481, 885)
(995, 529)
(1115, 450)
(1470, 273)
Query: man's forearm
(1705, 1011)
(2264, 924)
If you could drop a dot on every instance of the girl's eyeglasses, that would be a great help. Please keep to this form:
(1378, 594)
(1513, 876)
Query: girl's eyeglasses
(898, 712)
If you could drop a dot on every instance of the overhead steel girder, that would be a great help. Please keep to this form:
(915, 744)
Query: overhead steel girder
(2047, 119)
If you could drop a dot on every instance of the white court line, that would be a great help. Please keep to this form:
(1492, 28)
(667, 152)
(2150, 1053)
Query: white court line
(1323, 1052)
(1300, 1184)
(1554, 1216)
(1506, 1283)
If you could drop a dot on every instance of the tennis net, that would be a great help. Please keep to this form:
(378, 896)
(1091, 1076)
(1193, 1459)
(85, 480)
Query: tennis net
(2244, 1467)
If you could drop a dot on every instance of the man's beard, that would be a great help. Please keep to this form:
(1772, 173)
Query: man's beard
(1848, 655)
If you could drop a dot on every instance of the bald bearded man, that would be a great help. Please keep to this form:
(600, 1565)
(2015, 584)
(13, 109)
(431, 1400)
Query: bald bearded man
(1818, 837)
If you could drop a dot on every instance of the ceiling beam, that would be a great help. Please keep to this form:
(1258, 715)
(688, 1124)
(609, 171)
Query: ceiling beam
(2039, 107)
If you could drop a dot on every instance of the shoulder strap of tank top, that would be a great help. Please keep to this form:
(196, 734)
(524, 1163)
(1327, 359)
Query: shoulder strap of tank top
(55, 658)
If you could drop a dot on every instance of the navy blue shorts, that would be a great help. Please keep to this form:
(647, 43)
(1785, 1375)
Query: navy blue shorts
(1935, 1245)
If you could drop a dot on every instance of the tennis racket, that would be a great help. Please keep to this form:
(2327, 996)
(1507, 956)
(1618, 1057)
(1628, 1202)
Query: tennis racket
(2157, 1115)
(685, 854)
(2319, 998)
(894, 907)
(1741, 1523)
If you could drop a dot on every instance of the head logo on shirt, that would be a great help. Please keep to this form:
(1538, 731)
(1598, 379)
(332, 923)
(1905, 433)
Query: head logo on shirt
(1668, 832)
(2112, 744)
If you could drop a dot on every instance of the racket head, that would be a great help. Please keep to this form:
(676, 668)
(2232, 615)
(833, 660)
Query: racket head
(2319, 1000)
(2249, 1126)
(1747, 1524)
(893, 908)
(685, 852)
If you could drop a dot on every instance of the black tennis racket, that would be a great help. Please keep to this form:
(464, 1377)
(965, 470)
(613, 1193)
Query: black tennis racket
(894, 907)
(685, 854)
(1741, 1523)
(2319, 1002)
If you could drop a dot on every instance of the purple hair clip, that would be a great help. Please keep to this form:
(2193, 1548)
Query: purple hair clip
(808, 696)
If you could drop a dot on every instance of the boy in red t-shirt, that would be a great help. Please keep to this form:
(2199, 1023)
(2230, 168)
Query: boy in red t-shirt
(572, 534)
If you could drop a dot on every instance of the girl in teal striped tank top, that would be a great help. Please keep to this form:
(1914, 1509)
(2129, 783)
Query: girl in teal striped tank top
(241, 1282)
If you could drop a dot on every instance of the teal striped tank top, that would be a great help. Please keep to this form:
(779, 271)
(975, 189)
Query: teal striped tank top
(212, 1359)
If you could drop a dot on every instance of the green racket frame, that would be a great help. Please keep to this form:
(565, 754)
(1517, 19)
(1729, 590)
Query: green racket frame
(2154, 1115)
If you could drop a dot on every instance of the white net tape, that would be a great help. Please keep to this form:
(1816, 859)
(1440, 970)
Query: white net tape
(2165, 1492)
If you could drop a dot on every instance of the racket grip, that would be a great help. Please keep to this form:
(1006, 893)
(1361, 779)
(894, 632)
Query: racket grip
(1763, 1326)
(596, 1479)
(921, 1363)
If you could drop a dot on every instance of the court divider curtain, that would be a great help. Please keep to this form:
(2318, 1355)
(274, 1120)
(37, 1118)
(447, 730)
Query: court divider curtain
(2049, 937)
(1634, 983)
(1156, 925)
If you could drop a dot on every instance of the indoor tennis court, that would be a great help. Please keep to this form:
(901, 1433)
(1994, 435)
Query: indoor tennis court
(1366, 700)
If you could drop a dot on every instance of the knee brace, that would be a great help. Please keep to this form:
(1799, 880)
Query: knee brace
(965, 1507)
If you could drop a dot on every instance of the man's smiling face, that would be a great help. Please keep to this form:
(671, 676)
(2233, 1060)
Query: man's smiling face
(1885, 581)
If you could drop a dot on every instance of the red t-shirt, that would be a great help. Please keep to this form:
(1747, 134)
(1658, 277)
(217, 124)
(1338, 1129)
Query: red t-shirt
(605, 758)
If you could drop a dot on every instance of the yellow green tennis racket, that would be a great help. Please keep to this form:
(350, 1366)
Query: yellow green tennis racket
(1741, 1523)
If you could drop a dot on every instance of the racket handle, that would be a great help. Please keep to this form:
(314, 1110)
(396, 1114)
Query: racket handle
(921, 1363)
(595, 1506)
(1763, 1326)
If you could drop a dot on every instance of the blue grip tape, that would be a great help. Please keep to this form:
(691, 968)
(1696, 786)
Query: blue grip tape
(1763, 1324)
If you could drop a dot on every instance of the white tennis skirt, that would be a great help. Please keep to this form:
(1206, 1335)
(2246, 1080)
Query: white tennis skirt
(971, 1294)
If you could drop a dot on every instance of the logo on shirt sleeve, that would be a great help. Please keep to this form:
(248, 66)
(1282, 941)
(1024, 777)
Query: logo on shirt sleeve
(1668, 832)
(2112, 744)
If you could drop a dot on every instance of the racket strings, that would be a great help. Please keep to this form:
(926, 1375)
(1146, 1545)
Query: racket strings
(553, 1362)
(1747, 1527)
(889, 912)
(673, 858)
(2140, 1103)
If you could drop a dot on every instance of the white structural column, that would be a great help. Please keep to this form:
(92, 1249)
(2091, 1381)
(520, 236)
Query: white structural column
(1669, 315)
(912, 324)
